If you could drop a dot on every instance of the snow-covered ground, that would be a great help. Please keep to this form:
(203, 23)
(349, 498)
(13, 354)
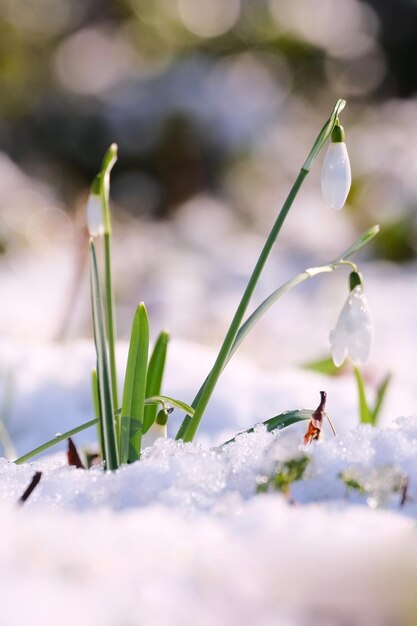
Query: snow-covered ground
(181, 538)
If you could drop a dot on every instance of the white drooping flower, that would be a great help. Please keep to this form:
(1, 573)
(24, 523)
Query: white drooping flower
(158, 430)
(336, 176)
(94, 211)
(155, 432)
(353, 333)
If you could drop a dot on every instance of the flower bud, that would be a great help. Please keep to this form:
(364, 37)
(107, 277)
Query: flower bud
(353, 333)
(94, 211)
(336, 176)
(158, 429)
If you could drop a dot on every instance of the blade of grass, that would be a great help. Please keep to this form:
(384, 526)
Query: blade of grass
(154, 378)
(110, 451)
(278, 422)
(135, 388)
(231, 334)
(365, 415)
(53, 442)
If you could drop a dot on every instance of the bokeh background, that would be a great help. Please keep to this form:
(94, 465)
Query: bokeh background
(214, 105)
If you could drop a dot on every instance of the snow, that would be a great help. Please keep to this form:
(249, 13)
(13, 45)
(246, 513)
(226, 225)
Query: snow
(182, 537)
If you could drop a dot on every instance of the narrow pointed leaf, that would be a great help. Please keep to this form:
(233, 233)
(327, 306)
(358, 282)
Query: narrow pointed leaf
(279, 422)
(103, 373)
(155, 374)
(135, 388)
(55, 441)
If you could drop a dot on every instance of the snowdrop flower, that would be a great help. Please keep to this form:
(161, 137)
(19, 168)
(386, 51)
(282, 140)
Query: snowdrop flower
(94, 210)
(353, 333)
(158, 429)
(336, 177)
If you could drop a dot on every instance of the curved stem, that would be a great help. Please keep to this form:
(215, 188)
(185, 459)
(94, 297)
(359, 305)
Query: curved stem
(218, 366)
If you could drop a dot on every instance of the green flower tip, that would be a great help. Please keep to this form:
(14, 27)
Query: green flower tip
(374, 230)
(162, 417)
(338, 133)
(355, 279)
(113, 149)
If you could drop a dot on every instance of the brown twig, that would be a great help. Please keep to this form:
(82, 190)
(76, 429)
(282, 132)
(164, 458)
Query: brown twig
(32, 486)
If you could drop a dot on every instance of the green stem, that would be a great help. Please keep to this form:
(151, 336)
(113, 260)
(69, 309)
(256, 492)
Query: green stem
(111, 321)
(103, 181)
(240, 312)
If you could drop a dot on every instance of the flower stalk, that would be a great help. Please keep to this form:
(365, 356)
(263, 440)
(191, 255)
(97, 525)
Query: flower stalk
(190, 425)
(102, 181)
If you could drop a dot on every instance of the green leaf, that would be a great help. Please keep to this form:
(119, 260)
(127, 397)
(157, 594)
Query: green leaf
(279, 422)
(324, 366)
(134, 388)
(96, 404)
(380, 397)
(172, 401)
(365, 415)
(54, 441)
(110, 455)
(156, 369)
(286, 473)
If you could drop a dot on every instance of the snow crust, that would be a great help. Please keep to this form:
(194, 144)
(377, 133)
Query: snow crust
(182, 537)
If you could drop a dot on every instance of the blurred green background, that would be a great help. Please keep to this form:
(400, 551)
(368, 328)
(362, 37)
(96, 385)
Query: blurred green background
(212, 102)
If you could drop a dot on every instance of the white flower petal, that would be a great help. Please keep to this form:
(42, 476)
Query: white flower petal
(353, 333)
(336, 176)
(94, 213)
(361, 327)
(156, 431)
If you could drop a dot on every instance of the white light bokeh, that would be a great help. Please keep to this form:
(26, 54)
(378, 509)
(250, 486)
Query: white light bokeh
(209, 19)
(92, 60)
